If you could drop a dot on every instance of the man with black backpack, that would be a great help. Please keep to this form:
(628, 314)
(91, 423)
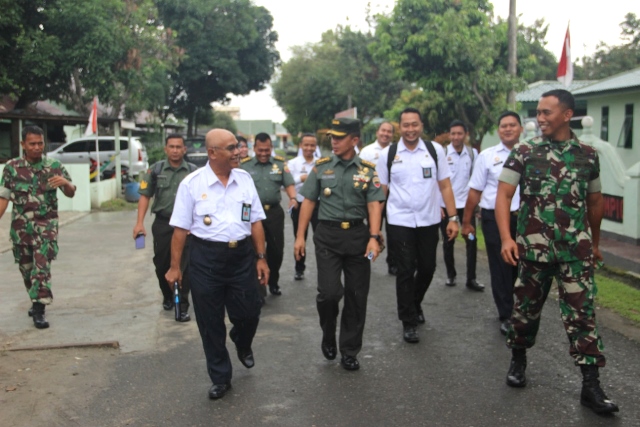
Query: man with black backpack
(414, 174)
(161, 182)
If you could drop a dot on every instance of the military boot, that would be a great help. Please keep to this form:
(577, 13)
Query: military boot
(515, 376)
(38, 316)
(592, 395)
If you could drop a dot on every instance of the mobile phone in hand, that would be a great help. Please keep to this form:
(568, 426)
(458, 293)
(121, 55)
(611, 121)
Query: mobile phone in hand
(140, 241)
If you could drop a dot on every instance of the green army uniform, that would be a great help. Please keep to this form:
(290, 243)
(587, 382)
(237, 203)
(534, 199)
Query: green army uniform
(161, 182)
(554, 240)
(34, 221)
(343, 188)
(268, 178)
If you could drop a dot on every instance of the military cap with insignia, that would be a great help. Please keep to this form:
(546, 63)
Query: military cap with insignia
(344, 126)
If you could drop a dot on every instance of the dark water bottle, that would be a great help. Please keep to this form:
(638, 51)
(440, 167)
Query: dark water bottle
(176, 299)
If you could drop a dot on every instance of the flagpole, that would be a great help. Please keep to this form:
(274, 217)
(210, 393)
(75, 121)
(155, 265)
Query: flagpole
(95, 109)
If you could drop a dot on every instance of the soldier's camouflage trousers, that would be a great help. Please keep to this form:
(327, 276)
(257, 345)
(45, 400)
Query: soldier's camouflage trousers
(34, 263)
(576, 291)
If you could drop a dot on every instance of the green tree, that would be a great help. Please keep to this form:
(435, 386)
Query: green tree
(610, 60)
(322, 78)
(449, 49)
(224, 121)
(229, 48)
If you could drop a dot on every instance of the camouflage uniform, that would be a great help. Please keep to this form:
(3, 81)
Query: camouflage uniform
(554, 240)
(34, 221)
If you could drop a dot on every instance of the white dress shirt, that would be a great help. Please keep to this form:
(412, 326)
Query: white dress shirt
(414, 193)
(460, 167)
(371, 152)
(485, 176)
(299, 166)
(202, 194)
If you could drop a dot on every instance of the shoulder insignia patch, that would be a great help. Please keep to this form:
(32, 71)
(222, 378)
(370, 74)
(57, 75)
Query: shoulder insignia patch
(368, 163)
(279, 158)
(322, 160)
(143, 185)
(246, 159)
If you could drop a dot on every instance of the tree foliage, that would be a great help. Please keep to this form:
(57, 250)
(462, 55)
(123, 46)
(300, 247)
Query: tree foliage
(320, 78)
(229, 47)
(452, 53)
(610, 60)
(72, 50)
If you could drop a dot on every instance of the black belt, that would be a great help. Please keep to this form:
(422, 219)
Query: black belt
(514, 213)
(162, 217)
(345, 225)
(211, 244)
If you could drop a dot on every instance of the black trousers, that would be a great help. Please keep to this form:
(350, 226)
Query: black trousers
(389, 259)
(224, 278)
(447, 249)
(295, 216)
(162, 233)
(341, 251)
(414, 252)
(274, 237)
(503, 275)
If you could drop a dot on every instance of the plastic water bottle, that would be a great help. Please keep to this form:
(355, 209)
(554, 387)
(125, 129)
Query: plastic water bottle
(471, 237)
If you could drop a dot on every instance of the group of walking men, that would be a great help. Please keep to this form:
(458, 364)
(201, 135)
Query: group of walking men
(227, 237)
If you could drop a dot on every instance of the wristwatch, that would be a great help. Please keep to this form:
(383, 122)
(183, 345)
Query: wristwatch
(261, 255)
(375, 236)
(454, 218)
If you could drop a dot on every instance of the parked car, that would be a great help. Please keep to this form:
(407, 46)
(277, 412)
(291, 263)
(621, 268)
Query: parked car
(81, 150)
(196, 150)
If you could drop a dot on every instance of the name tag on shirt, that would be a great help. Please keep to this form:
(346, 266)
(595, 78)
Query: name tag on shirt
(426, 173)
(329, 176)
(246, 212)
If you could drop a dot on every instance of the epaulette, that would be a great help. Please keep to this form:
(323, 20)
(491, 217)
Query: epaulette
(246, 159)
(368, 163)
(322, 160)
(280, 158)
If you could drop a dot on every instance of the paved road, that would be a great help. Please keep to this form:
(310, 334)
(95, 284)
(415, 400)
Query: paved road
(105, 290)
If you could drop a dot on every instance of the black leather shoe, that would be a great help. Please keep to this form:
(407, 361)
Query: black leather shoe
(275, 290)
(40, 321)
(184, 317)
(218, 391)
(451, 281)
(350, 363)
(299, 275)
(592, 395)
(393, 270)
(420, 317)
(329, 349)
(167, 304)
(516, 376)
(475, 286)
(504, 327)
(410, 334)
(246, 358)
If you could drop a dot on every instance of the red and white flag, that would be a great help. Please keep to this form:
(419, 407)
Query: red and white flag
(565, 67)
(92, 127)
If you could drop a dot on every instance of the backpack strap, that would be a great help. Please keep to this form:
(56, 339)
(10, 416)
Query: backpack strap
(431, 149)
(393, 149)
(471, 155)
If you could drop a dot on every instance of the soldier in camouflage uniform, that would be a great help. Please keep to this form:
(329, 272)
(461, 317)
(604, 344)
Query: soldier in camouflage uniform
(557, 236)
(349, 191)
(269, 174)
(31, 184)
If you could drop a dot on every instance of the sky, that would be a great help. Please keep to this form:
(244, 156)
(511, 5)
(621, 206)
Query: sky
(303, 21)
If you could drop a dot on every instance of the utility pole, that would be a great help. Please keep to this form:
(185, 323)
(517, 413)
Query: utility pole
(512, 67)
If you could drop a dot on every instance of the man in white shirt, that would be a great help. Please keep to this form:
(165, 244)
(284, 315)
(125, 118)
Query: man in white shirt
(418, 175)
(371, 152)
(219, 206)
(460, 159)
(300, 167)
(483, 188)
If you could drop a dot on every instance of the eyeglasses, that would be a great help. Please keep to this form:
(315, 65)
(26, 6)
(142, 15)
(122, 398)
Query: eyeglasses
(229, 148)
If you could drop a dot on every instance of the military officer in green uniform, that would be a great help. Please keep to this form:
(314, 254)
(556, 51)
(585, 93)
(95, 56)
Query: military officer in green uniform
(161, 182)
(349, 192)
(557, 236)
(31, 183)
(269, 174)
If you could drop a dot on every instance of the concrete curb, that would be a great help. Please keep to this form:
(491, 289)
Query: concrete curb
(99, 344)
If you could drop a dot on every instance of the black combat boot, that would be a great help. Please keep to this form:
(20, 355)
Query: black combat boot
(592, 395)
(515, 376)
(38, 316)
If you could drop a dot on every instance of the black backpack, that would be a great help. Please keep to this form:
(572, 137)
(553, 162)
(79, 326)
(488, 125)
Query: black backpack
(393, 149)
